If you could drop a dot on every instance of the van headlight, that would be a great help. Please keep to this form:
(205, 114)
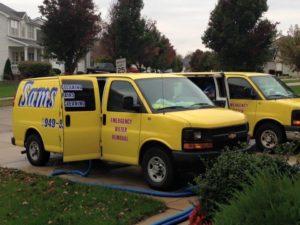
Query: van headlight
(295, 120)
(197, 135)
(193, 139)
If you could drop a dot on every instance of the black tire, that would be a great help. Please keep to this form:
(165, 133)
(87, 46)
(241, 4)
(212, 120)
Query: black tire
(163, 178)
(35, 151)
(268, 135)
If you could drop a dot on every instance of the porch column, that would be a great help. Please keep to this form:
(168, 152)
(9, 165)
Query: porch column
(35, 58)
(42, 54)
(25, 53)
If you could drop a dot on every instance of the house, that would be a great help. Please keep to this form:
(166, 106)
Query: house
(276, 66)
(20, 40)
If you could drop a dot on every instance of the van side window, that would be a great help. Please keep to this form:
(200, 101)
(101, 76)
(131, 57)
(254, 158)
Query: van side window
(118, 91)
(239, 88)
(206, 84)
(78, 95)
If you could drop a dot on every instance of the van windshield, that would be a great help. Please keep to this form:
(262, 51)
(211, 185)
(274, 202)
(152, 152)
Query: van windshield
(273, 88)
(173, 94)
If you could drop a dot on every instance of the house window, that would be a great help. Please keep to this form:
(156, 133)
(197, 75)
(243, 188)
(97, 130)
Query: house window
(15, 57)
(14, 27)
(30, 31)
(23, 31)
(22, 56)
(30, 56)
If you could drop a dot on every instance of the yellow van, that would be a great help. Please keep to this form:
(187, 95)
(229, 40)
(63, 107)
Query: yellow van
(164, 123)
(271, 107)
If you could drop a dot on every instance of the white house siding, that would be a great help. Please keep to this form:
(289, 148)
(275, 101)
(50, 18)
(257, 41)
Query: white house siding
(82, 65)
(3, 43)
(57, 65)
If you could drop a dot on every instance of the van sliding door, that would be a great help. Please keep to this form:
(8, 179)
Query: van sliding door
(81, 119)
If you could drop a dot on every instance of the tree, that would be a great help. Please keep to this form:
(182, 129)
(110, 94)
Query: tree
(177, 65)
(166, 54)
(289, 48)
(203, 61)
(70, 29)
(135, 38)
(8, 74)
(237, 33)
(123, 35)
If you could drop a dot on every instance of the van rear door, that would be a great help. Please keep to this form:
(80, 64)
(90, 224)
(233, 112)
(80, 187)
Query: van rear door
(81, 119)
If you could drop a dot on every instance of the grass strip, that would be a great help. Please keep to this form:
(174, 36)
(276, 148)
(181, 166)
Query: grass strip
(8, 89)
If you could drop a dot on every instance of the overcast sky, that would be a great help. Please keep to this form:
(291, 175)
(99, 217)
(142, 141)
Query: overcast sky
(182, 21)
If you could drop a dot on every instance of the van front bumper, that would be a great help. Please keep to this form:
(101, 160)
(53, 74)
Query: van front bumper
(191, 160)
(292, 132)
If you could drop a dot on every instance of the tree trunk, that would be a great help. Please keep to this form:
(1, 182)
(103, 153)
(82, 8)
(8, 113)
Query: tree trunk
(70, 67)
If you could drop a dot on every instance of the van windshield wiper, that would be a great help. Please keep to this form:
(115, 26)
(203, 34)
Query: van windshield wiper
(203, 105)
(276, 96)
(170, 107)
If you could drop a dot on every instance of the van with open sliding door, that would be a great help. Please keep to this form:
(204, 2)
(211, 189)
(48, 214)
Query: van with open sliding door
(164, 123)
(271, 107)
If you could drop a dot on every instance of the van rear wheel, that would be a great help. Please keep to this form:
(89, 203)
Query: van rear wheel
(158, 168)
(35, 151)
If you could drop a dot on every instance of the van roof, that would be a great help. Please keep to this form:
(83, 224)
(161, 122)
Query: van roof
(246, 74)
(133, 76)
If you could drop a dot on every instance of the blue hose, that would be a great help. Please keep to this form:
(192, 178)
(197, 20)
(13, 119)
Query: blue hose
(75, 172)
(176, 218)
(182, 193)
(186, 192)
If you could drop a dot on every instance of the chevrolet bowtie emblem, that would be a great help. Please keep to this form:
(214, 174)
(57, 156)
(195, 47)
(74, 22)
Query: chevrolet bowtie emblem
(232, 135)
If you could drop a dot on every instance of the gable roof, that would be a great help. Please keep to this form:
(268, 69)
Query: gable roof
(9, 11)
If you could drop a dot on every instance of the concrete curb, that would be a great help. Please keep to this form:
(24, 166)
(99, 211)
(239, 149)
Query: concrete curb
(6, 98)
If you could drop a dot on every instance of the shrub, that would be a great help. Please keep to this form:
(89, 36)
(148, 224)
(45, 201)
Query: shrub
(34, 69)
(269, 200)
(230, 172)
(56, 71)
(7, 73)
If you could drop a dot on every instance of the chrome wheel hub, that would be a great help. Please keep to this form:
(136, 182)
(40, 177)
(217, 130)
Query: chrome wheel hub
(269, 139)
(156, 169)
(34, 150)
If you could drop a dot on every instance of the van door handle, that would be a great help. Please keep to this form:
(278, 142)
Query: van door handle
(104, 119)
(68, 120)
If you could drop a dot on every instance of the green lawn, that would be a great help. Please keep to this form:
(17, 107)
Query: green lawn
(8, 89)
(296, 89)
(32, 199)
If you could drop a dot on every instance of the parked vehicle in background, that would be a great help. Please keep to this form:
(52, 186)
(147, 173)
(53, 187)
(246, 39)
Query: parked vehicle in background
(164, 123)
(102, 68)
(271, 107)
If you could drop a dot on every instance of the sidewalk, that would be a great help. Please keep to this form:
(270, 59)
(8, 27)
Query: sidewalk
(103, 173)
(293, 84)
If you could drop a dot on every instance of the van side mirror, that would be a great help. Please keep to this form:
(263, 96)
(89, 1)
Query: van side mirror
(128, 104)
(220, 103)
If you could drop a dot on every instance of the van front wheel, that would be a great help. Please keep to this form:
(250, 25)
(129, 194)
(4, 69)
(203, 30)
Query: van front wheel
(268, 136)
(158, 168)
(35, 151)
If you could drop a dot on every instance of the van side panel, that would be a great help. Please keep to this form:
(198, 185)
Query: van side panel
(38, 107)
